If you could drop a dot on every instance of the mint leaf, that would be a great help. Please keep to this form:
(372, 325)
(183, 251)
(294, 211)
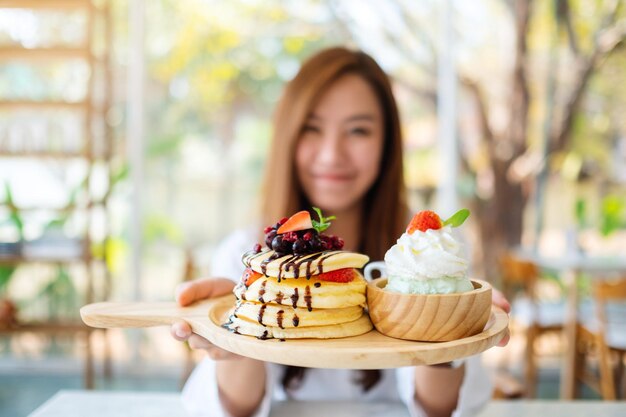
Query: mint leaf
(457, 218)
(323, 223)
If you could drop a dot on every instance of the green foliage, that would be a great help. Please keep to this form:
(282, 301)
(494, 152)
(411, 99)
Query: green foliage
(120, 175)
(580, 212)
(14, 214)
(612, 214)
(164, 145)
(215, 61)
(161, 227)
(7, 271)
(61, 295)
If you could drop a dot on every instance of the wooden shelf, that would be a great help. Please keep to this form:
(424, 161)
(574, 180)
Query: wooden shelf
(43, 104)
(71, 207)
(40, 155)
(38, 54)
(47, 327)
(19, 259)
(45, 4)
(79, 251)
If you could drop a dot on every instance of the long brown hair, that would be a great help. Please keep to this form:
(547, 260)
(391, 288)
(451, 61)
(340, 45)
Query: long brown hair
(384, 209)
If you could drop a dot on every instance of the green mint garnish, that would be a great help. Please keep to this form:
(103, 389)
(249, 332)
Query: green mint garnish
(457, 218)
(323, 223)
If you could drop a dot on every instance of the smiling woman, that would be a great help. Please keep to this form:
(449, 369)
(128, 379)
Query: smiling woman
(336, 145)
(340, 148)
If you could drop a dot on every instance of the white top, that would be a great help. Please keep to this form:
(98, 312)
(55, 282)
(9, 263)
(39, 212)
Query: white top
(201, 398)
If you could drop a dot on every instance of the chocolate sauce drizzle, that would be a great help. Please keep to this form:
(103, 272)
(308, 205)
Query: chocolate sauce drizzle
(262, 291)
(307, 297)
(235, 311)
(291, 262)
(249, 254)
(229, 325)
(279, 297)
(279, 318)
(261, 313)
(295, 297)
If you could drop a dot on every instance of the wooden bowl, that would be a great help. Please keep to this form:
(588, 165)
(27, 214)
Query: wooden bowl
(429, 317)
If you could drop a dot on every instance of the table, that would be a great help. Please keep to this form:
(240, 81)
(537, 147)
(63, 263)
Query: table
(154, 404)
(570, 266)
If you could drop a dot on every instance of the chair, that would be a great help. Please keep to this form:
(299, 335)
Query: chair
(506, 387)
(519, 283)
(604, 333)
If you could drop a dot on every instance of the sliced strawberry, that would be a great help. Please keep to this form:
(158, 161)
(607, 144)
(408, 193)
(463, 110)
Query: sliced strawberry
(299, 221)
(340, 275)
(423, 221)
(249, 276)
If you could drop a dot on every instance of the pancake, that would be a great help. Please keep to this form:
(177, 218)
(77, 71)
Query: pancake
(309, 294)
(285, 298)
(293, 266)
(252, 328)
(275, 315)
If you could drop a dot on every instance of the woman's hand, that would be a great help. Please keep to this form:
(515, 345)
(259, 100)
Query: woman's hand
(235, 374)
(499, 300)
(190, 292)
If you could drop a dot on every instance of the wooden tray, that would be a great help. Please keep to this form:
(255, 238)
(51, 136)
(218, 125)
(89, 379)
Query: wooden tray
(368, 351)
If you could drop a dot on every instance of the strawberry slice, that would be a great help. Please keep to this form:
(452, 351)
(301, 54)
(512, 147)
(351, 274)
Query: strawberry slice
(249, 276)
(299, 221)
(340, 275)
(423, 221)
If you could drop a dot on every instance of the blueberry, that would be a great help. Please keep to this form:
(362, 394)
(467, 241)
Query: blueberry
(277, 243)
(299, 246)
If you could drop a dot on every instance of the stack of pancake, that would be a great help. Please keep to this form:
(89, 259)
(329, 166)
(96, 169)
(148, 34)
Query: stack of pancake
(318, 295)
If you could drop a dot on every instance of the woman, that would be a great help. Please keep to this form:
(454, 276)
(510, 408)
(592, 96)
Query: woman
(337, 145)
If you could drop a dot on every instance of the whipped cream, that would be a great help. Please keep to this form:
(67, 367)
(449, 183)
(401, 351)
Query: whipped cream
(427, 263)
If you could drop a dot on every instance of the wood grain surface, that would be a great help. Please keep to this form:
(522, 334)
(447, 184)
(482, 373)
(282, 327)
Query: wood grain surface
(368, 351)
(429, 317)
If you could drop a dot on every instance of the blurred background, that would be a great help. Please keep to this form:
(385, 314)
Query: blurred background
(133, 136)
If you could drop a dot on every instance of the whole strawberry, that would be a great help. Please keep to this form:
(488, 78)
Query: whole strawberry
(427, 219)
(423, 221)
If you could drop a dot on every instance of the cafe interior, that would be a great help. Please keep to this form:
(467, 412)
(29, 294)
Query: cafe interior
(134, 137)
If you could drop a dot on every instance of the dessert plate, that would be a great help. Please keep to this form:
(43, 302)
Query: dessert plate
(367, 351)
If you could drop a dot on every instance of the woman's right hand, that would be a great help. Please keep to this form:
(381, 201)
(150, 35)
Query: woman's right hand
(189, 292)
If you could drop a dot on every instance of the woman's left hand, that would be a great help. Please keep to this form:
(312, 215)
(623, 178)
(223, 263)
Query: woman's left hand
(499, 300)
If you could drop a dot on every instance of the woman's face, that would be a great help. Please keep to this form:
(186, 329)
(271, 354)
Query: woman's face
(339, 150)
